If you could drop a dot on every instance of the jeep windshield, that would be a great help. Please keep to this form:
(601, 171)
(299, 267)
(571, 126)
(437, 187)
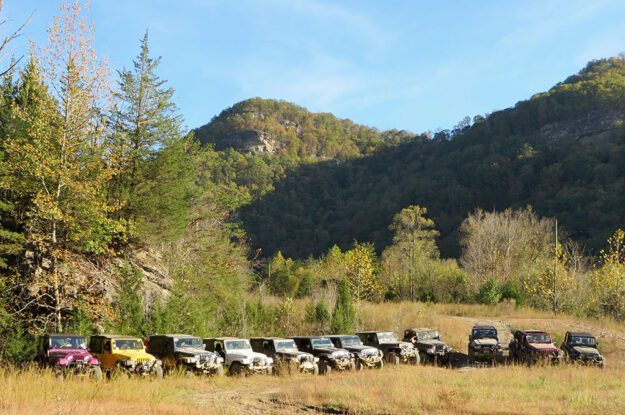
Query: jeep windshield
(68, 342)
(350, 341)
(286, 346)
(128, 344)
(427, 335)
(238, 345)
(389, 337)
(583, 341)
(322, 343)
(485, 334)
(538, 338)
(195, 342)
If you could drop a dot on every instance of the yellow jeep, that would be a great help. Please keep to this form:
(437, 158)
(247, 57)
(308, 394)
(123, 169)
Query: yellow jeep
(124, 354)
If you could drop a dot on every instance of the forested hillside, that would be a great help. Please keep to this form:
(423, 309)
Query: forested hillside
(113, 217)
(562, 151)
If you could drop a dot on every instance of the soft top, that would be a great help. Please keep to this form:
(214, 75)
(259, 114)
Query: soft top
(580, 334)
(117, 336)
(483, 327)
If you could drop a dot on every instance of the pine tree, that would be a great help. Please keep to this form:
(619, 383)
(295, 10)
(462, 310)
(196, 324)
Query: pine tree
(145, 120)
(344, 315)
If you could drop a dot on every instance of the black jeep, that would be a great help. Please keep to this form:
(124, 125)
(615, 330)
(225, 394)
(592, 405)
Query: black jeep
(286, 357)
(330, 357)
(395, 351)
(428, 343)
(364, 356)
(581, 347)
(186, 353)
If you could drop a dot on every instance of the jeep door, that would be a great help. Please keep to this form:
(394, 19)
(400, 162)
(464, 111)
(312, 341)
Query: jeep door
(106, 357)
(166, 348)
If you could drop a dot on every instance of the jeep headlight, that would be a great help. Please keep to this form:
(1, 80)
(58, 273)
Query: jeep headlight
(432, 349)
(316, 359)
(269, 361)
(69, 358)
(86, 359)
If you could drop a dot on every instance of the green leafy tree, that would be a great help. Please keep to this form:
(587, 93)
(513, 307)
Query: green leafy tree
(408, 262)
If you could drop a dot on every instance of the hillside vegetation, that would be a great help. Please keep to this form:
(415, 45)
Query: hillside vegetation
(273, 220)
(561, 151)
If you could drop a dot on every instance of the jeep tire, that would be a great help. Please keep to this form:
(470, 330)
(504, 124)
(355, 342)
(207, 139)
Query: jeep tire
(236, 369)
(97, 373)
(393, 359)
(324, 368)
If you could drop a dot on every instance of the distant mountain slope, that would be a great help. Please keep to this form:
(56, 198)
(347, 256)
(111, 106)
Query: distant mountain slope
(264, 126)
(563, 151)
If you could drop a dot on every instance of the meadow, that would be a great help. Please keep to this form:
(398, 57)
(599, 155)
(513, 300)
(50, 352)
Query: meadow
(405, 390)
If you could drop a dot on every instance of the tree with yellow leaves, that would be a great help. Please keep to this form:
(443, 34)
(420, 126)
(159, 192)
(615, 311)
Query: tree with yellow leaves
(359, 272)
(55, 162)
(608, 280)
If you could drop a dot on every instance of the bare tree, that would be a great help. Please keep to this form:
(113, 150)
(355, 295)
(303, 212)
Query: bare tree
(5, 43)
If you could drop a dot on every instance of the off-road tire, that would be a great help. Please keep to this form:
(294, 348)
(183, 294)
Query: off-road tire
(158, 372)
(58, 374)
(324, 368)
(97, 374)
(236, 369)
(393, 359)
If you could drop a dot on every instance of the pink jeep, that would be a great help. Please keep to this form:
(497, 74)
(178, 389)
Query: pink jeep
(67, 354)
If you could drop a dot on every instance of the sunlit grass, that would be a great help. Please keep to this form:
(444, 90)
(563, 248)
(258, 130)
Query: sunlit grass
(503, 390)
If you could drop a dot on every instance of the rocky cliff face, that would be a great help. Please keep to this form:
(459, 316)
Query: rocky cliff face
(595, 123)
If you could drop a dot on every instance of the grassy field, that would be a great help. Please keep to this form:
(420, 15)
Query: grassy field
(424, 389)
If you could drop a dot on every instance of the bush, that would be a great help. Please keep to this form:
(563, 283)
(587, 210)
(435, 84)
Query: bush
(490, 293)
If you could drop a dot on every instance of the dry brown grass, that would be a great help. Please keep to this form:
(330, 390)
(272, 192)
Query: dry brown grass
(504, 390)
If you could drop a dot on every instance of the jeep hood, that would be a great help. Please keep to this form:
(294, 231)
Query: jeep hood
(547, 347)
(485, 342)
(328, 349)
(133, 354)
(431, 342)
(359, 348)
(292, 353)
(192, 351)
(242, 355)
(589, 351)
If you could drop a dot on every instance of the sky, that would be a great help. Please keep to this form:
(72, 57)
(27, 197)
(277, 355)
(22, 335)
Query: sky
(412, 65)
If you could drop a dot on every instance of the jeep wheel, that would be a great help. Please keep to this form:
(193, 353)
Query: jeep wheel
(393, 359)
(236, 369)
(58, 374)
(97, 373)
(324, 368)
(158, 372)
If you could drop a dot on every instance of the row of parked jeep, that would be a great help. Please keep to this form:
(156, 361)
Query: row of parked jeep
(116, 355)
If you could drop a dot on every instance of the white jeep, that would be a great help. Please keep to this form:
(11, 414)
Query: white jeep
(239, 357)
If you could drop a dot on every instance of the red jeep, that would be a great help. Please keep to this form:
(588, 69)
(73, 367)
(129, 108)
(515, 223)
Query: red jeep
(533, 346)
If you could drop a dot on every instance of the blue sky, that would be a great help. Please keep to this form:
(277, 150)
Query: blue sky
(414, 65)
